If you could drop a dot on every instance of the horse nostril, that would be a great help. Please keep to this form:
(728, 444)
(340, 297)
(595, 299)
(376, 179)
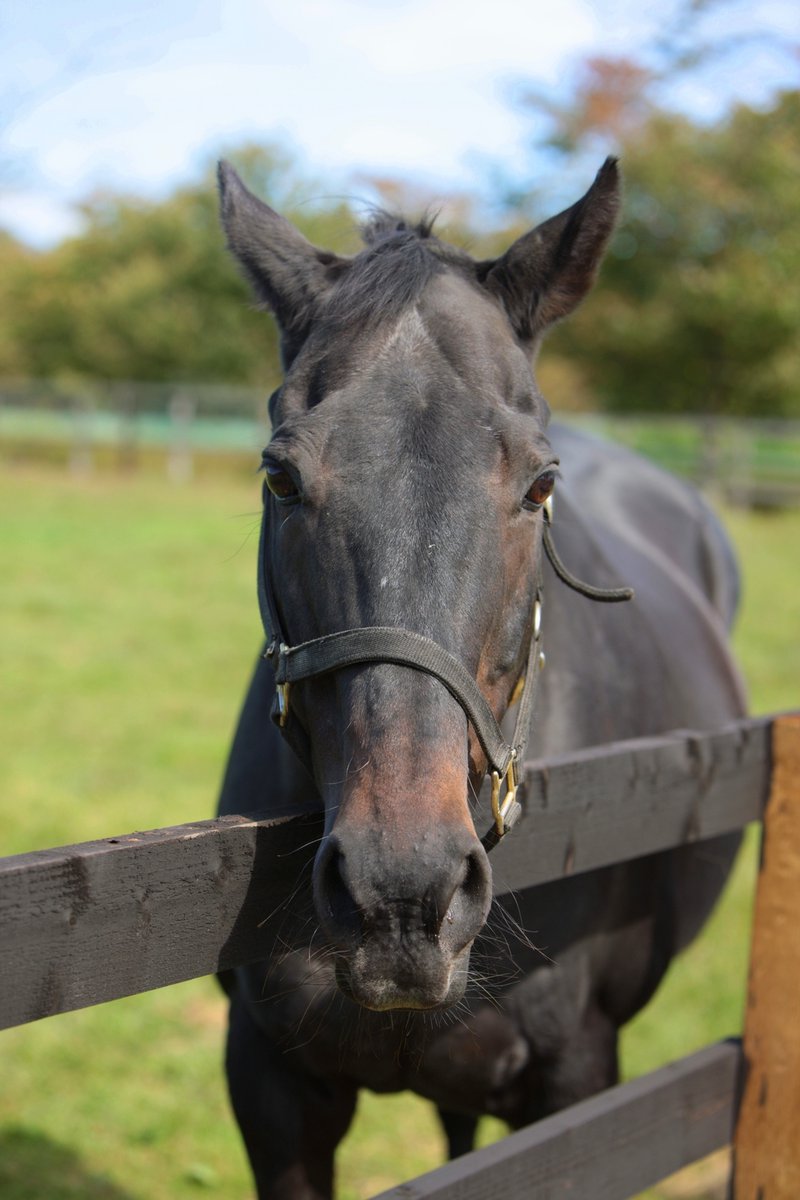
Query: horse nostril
(462, 902)
(336, 905)
(477, 885)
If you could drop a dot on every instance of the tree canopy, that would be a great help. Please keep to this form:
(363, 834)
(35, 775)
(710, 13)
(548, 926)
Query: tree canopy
(696, 309)
(148, 291)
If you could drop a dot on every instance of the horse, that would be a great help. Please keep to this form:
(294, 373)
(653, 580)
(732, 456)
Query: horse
(407, 512)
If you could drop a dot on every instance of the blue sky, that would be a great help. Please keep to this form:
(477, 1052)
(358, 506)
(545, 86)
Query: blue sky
(136, 95)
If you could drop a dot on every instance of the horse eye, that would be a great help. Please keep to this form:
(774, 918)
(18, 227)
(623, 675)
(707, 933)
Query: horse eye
(539, 490)
(280, 482)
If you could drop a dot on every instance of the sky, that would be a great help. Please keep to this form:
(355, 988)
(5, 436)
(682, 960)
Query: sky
(137, 95)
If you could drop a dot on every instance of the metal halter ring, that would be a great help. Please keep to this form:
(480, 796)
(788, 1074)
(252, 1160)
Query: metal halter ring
(537, 617)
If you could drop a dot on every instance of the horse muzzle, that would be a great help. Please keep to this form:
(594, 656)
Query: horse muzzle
(381, 983)
(401, 923)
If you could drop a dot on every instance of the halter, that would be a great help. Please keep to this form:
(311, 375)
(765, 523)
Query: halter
(403, 647)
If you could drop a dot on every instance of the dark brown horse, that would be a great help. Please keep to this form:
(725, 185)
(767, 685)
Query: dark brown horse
(405, 484)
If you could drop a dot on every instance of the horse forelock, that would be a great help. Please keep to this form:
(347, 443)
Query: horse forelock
(389, 275)
(381, 224)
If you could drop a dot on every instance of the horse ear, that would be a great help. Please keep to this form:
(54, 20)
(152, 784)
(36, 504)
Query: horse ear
(287, 273)
(547, 272)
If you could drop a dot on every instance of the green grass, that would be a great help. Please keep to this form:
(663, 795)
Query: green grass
(129, 623)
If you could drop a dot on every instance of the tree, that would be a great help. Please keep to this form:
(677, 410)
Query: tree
(698, 307)
(148, 291)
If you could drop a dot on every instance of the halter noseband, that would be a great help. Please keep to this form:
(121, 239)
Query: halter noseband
(391, 644)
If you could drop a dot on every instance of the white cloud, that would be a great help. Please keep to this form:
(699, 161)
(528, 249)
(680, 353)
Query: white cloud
(39, 218)
(383, 86)
(443, 37)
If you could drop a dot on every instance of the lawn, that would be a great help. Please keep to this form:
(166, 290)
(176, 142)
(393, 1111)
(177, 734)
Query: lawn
(129, 624)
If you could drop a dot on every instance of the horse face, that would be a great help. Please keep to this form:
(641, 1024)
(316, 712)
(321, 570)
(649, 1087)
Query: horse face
(408, 482)
(404, 479)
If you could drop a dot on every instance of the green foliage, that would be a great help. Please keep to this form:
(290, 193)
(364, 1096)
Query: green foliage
(697, 308)
(148, 290)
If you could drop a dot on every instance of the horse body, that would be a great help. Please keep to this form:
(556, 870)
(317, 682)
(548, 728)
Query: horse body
(405, 441)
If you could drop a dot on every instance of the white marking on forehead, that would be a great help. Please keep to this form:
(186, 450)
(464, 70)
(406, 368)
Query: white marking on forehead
(408, 333)
(414, 324)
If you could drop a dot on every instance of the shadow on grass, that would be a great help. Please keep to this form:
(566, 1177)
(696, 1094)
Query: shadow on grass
(33, 1167)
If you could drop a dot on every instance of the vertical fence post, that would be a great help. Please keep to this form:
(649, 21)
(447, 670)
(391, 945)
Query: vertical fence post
(80, 453)
(767, 1140)
(179, 456)
(125, 396)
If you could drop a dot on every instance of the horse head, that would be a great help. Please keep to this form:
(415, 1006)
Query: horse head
(404, 485)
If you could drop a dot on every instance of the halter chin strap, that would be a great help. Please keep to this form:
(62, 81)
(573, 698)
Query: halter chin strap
(391, 644)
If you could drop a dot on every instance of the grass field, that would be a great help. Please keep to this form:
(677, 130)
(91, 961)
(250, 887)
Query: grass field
(129, 623)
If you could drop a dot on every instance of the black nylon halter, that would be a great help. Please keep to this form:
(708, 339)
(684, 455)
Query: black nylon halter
(403, 647)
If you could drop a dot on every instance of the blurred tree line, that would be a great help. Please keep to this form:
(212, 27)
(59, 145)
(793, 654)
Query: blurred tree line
(147, 292)
(697, 308)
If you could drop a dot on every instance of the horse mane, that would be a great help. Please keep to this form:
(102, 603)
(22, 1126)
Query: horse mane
(399, 259)
(382, 224)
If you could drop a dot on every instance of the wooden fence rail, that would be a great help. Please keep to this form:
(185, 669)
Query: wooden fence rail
(87, 923)
(605, 1148)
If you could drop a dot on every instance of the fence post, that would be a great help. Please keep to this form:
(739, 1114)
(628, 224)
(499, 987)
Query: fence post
(767, 1140)
(125, 397)
(179, 456)
(80, 454)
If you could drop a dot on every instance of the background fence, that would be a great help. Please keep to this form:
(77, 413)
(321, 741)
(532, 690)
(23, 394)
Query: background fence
(749, 462)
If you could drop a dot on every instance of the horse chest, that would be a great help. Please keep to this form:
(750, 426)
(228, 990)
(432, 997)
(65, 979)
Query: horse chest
(466, 1063)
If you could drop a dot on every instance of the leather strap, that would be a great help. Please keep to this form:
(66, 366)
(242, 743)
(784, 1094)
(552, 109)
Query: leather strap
(605, 595)
(390, 644)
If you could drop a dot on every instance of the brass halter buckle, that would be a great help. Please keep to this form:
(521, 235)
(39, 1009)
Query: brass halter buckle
(505, 813)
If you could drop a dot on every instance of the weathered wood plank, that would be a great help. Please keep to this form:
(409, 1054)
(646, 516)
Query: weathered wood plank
(767, 1144)
(608, 804)
(105, 919)
(93, 922)
(606, 1148)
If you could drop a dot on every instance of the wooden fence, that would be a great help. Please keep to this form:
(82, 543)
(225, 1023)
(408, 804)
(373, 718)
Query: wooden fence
(88, 923)
(748, 461)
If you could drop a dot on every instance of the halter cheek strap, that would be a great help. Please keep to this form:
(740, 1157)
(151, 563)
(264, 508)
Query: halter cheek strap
(403, 647)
